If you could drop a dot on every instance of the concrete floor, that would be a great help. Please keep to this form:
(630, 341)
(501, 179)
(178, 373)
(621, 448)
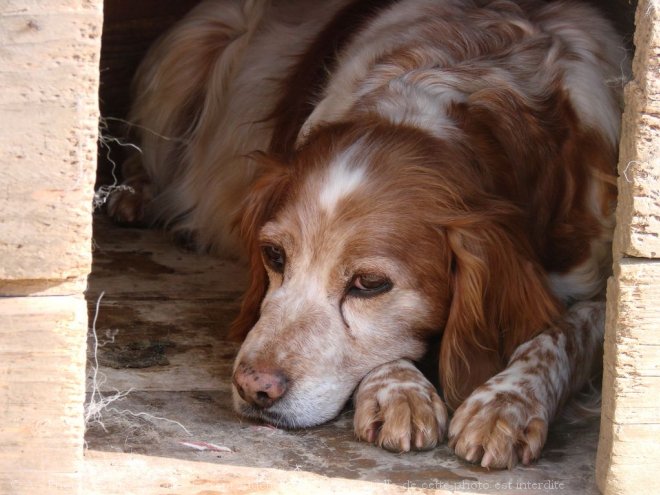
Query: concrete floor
(161, 329)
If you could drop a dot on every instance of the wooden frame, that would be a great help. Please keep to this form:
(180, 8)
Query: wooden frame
(49, 109)
(49, 53)
(630, 420)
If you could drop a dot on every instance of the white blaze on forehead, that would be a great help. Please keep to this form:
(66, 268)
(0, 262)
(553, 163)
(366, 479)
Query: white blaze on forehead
(342, 177)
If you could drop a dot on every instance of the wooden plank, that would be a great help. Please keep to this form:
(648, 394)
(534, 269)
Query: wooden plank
(42, 364)
(118, 474)
(132, 264)
(632, 344)
(634, 445)
(627, 460)
(630, 422)
(638, 213)
(49, 106)
(49, 52)
(163, 345)
(21, 7)
(647, 53)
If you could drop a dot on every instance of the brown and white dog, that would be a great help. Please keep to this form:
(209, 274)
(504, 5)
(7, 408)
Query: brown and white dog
(396, 171)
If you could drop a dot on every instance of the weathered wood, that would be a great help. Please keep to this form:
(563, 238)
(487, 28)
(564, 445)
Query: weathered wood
(42, 365)
(49, 52)
(638, 214)
(631, 467)
(627, 461)
(630, 427)
(165, 270)
(49, 110)
(163, 345)
(118, 474)
(632, 344)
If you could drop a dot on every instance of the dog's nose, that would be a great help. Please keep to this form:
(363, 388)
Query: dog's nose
(259, 387)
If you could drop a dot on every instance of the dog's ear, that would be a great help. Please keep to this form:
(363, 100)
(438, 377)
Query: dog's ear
(500, 300)
(260, 205)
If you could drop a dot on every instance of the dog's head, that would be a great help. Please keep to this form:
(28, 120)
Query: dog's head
(361, 249)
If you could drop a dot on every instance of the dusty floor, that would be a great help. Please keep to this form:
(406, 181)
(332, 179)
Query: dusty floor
(160, 330)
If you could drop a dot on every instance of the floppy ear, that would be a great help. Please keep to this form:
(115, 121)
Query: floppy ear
(500, 300)
(262, 202)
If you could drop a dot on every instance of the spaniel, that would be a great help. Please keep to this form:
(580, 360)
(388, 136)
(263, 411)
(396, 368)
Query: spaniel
(405, 178)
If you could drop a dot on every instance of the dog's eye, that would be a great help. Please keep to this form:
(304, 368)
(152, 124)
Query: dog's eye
(367, 285)
(274, 257)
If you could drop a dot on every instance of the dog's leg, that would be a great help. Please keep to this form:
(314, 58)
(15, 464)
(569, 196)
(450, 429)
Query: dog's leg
(506, 419)
(397, 408)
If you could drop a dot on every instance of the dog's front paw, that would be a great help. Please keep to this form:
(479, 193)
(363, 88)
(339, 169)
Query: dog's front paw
(498, 429)
(397, 408)
(126, 203)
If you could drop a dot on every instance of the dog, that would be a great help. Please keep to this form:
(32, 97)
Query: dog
(395, 173)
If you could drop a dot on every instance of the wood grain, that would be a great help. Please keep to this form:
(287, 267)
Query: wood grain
(638, 214)
(629, 443)
(49, 114)
(42, 373)
(49, 54)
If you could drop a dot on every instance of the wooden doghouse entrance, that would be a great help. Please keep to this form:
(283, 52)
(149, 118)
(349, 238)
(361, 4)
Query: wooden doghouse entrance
(156, 358)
